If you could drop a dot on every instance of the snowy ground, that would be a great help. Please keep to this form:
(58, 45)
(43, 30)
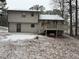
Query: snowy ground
(26, 46)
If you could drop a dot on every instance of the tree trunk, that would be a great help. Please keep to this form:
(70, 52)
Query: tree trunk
(63, 8)
(71, 31)
(76, 21)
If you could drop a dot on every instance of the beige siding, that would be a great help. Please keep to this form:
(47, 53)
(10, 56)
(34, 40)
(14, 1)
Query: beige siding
(17, 17)
(27, 28)
(12, 27)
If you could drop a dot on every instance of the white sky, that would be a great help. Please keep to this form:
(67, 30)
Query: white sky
(26, 4)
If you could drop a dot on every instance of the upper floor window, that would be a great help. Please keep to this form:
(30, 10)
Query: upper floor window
(23, 15)
(32, 14)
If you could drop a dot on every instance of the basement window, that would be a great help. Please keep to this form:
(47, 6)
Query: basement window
(32, 25)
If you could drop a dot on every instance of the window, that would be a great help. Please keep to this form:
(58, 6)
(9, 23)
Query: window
(32, 14)
(23, 15)
(32, 25)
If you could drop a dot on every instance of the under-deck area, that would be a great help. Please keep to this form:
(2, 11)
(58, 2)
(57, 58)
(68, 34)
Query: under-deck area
(53, 32)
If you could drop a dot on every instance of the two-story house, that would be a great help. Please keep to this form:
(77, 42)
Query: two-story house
(33, 22)
(23, 21)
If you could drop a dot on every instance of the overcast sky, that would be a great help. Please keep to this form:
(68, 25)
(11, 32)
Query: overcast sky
(26, 4)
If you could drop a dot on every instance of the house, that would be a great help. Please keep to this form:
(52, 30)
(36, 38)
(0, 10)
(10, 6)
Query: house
(23, 21)
(33, 22)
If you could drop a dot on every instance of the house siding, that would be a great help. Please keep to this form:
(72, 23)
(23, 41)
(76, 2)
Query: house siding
(17, 17)
(27, 28)
(12, 27)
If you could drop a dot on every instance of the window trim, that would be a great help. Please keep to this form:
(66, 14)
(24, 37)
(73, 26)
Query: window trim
(18, 29)
(32, 14)
(32, 25)
(23, 15)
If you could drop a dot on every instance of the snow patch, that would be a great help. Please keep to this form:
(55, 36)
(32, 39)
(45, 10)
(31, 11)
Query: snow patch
(3, 29)
(6, 36)
(50, 17)
(17, 37)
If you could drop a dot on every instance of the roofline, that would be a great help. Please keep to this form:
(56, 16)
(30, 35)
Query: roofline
(62, 19)
(50, 20)
(23, 11)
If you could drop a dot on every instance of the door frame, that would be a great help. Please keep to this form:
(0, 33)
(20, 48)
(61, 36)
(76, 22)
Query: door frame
(18, 27)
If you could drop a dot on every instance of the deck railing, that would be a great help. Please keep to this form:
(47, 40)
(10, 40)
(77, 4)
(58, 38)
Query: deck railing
(56, 27)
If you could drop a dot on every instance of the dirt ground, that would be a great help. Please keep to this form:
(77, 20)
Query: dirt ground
(77, 37)
(41, 48)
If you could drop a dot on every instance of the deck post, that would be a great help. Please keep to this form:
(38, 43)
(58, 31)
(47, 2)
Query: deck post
(56, 29)
(46, 29)
(46, 33)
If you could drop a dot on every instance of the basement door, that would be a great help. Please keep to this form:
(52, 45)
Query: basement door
(18, 27)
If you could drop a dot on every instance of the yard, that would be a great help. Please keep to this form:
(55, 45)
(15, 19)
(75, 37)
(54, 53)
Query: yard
(26, 46)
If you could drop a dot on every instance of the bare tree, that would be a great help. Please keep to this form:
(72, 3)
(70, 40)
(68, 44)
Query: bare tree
(68, 7)
(37, 7)
(76, 22)
(3, 12)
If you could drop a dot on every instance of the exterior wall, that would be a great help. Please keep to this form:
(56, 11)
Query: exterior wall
(27, 28)
(12, 27)
(17, 17)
